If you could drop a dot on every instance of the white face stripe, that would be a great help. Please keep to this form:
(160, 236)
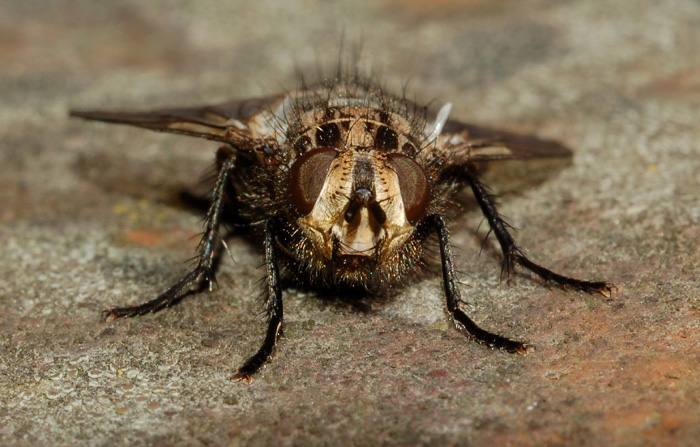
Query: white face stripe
(363, 236)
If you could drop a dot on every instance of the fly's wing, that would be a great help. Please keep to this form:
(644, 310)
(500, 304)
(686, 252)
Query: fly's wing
(223, 122)
(481, 144)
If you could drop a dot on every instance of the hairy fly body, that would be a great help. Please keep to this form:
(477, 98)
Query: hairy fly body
(344, 184)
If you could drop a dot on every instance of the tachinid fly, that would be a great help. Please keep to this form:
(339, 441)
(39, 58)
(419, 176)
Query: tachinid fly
(347, 184)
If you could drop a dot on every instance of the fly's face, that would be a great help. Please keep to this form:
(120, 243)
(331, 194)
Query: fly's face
(359, 210)
(359, 197)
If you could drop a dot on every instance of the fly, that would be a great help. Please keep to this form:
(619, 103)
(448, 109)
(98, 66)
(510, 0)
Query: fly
(349, 182)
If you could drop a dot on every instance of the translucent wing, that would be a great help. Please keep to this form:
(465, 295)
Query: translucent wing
(223, 122)
(481, 144)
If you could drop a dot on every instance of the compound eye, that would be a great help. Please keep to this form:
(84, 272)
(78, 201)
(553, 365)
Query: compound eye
(307, 176)
(415, 188)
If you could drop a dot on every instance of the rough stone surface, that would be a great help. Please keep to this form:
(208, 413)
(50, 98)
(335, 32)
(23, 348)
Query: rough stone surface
(88, 220)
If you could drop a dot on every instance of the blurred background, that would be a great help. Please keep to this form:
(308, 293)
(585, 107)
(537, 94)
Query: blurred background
(89, 217)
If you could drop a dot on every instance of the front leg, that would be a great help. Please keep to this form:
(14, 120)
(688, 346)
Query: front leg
(453, 297)
(206, 252)
(273, 305)
(511, 253)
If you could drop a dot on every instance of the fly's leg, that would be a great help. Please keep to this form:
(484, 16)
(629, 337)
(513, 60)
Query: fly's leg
(453, 298)
(273, 305)
(206, 252)
(513, 255)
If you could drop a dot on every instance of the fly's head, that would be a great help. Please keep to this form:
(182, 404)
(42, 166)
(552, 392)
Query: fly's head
(359, 190)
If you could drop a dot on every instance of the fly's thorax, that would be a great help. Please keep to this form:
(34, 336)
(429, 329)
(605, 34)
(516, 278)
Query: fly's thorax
(352, 127)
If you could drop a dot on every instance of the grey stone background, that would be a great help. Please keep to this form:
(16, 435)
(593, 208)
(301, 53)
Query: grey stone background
(88, 219)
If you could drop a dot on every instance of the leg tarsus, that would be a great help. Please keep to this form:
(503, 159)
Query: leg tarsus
(258, 360)
(165, 299)
(490, 339)
(601, 287)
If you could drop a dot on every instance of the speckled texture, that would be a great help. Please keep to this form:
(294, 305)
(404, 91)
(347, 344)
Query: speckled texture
(88, 218)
